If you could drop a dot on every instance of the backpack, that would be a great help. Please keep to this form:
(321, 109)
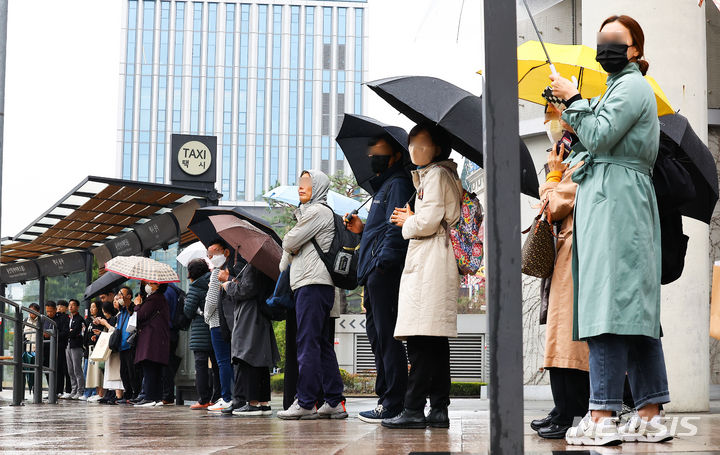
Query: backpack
(282, 299)
(342, 258)
(466, 236)
(178, 319)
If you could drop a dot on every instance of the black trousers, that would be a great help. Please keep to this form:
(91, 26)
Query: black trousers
(62, 378)
(291, 363)
(170, 370)
(255, 381)
(381, 304)
(571, 394)
(207, 381)
(131, 377)
(429, 372)
(153, 377)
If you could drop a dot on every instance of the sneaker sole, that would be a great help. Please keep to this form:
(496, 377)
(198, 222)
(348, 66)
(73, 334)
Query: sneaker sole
(648, 439)
(407, 426)
(606, 441)
(305, 417)
(335, 416)
(369, 420)
(248, 414)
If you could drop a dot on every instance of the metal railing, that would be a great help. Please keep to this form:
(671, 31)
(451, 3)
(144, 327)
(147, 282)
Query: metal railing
(18, 344)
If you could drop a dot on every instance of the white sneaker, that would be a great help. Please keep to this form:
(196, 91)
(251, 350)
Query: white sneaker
(637, 429)
(297, 412)
(329, 412)
(82, 398)
(94, 399)
(589, 433)
(146, 404)
(220, 405)
(65, 396)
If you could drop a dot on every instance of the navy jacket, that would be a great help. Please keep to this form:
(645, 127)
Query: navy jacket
(382, 245)
(75, 331)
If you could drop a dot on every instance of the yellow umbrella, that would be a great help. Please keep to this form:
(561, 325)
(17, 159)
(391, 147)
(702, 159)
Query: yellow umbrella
(569, 60)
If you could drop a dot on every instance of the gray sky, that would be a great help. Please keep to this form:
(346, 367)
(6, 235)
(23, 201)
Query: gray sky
(61, 105)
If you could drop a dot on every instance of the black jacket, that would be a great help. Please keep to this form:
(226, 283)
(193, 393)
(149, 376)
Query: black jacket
(382, 245)
(75, 331)
(63, 327)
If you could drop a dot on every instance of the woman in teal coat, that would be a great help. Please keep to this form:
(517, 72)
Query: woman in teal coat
(616, 242)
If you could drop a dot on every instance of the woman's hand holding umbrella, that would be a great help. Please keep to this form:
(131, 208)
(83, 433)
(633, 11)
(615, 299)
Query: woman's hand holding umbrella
(563, 88)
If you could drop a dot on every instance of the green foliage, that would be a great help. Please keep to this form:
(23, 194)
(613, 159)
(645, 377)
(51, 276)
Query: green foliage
(277, 381)
(466, 389)
(279, 329)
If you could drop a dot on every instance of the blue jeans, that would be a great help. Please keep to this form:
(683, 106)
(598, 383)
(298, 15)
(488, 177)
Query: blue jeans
(222, 355)
(319, 377)
(641, 357)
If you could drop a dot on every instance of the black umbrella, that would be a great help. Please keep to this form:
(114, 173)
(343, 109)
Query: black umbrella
(695, 156)
(203, 228)
(353, 137)
(427, 99)
(108, 282)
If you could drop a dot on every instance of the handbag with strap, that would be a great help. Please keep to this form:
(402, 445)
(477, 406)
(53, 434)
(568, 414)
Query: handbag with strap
(538, 252)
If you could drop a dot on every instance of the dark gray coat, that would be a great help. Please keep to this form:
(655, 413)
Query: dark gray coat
(253, 339)
(195, 299)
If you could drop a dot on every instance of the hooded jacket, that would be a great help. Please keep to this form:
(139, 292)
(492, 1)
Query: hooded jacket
(314, 220)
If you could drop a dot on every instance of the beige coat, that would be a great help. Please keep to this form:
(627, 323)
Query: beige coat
(430, 280)
(560, 349)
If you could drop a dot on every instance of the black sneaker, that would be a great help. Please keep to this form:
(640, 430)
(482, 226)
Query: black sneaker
(266, 410)
(234, 407)
(438, 418)
(376, 415)
(407, 419)
(249, 411)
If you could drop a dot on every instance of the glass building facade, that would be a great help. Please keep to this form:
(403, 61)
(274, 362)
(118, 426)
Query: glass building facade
(271, 80)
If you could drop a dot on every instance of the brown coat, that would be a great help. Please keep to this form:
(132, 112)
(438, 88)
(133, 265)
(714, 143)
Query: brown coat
(560, 349)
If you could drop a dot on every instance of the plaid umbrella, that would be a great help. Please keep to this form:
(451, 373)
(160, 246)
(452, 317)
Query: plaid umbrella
(142, 268)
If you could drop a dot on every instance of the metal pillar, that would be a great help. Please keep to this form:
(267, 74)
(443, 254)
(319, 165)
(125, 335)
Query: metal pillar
(2, 329)
(18, 383)
(3, 47)
(504, 286)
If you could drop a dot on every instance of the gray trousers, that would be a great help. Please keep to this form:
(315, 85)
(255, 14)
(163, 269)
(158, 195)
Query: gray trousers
(74, 357)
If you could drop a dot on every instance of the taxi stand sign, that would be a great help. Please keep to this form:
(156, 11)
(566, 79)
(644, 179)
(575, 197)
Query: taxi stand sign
(193, 160)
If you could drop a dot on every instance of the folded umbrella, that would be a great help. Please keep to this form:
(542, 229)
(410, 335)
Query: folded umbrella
(427, 99)
(353, 137)
(570, 60)
(339, 203)
(694, 155)
(142, 268)
(257, 247)
(107, 282)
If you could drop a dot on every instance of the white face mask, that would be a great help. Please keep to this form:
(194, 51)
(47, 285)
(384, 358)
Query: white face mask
(148, 289)
(217, 260)
(554, 130)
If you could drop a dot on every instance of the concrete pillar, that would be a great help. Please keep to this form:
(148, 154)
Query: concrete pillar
(675, 46)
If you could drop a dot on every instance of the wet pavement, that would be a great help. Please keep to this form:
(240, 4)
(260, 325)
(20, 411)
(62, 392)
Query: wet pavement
(73, 427)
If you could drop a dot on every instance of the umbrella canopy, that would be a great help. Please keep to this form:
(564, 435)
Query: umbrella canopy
(353, 137)
(203, 228)
(105, 283)
(569, 60)
(339, 203)
(695, 156)
(255, 246)
(142, 268)
(195, 251)
(427, 99)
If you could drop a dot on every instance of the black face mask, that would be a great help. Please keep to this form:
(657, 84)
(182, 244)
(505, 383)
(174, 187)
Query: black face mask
(379, 163)
(612, 56)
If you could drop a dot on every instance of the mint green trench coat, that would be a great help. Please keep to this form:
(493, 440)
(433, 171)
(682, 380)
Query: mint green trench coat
(616, 241)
